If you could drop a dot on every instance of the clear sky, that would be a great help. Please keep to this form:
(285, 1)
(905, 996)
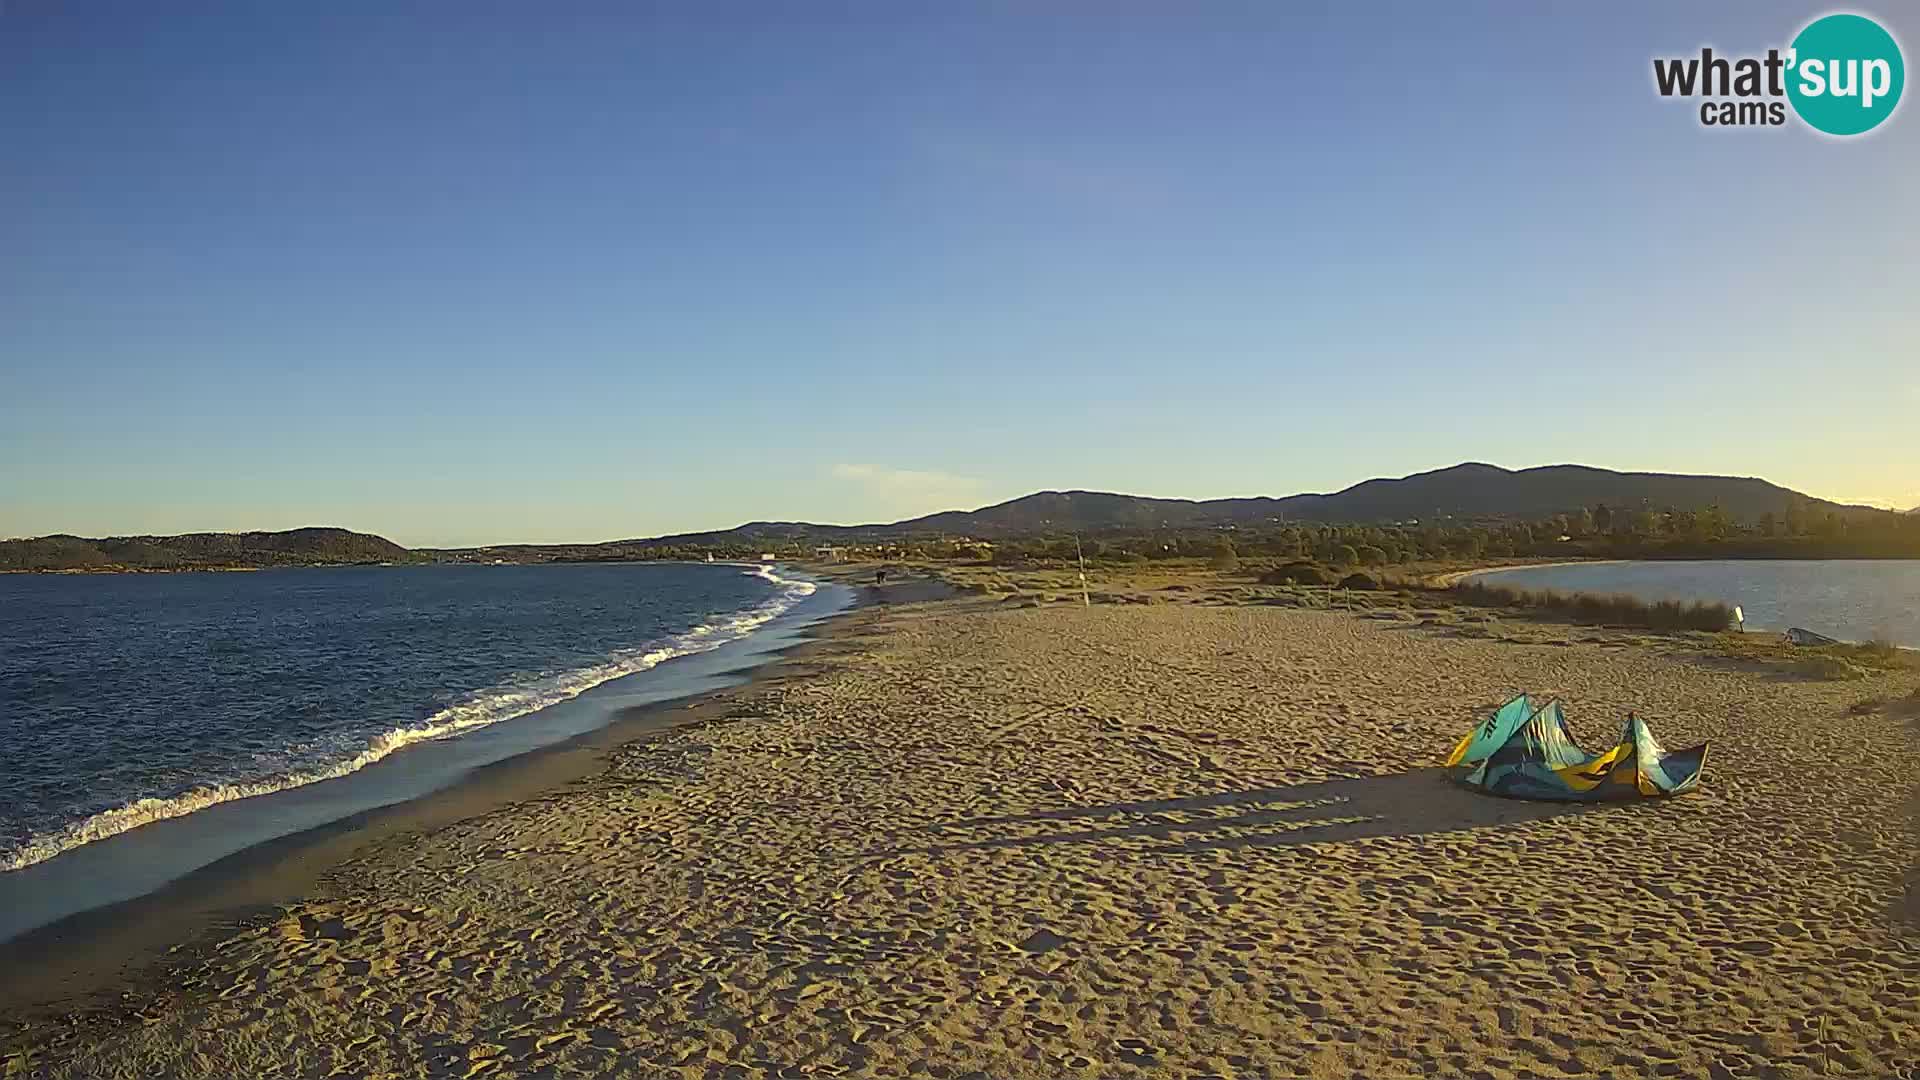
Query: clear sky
(469, 272)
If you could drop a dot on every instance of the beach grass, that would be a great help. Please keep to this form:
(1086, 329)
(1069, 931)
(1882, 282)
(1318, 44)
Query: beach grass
(1841, 660)
(1615, 609)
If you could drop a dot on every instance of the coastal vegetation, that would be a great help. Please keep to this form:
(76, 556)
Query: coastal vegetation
(1613, 610)
(1298, 572)
(1434, 591)
(1838, 661)
(1466, 515)
(203, 551)
(1599, 532)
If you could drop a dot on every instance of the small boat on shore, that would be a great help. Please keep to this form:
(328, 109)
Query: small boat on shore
(1800, 636)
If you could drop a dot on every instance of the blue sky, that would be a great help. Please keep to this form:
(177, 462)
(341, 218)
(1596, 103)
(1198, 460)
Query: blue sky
(475, 272)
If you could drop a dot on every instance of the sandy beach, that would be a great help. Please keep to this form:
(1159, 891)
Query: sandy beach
(1179, 837)
(1453, 577)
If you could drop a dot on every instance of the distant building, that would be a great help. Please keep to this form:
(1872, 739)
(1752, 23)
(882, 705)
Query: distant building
(767, 556)
(829, 554)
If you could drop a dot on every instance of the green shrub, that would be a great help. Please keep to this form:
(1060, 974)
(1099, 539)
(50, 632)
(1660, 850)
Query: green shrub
(1224, 557)
(1299, 573)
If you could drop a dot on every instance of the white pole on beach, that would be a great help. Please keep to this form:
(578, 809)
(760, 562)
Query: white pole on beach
(1085, 600)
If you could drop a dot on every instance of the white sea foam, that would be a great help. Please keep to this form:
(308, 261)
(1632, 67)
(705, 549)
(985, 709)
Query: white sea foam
(485, 707)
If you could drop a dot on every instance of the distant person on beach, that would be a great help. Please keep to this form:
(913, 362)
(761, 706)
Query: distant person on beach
(880, 577)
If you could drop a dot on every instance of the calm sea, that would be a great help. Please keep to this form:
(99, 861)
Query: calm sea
(1851, 599)
(127, 700)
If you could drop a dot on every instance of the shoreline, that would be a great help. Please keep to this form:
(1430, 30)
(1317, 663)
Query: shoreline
(98, 954)
(491, 718)
(1454, 577)
(1450, 577)
(95, 960)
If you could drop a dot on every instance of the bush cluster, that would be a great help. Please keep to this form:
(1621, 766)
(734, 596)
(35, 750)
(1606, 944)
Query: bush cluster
(1619, 610)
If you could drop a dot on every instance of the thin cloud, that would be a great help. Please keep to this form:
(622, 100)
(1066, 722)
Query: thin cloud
(910, 491)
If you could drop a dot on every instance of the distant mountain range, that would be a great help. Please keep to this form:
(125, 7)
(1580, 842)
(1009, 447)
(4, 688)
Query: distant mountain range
(1463, 492)
(1472, 491)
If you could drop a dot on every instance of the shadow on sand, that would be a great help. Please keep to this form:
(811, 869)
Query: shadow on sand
(1418, 803)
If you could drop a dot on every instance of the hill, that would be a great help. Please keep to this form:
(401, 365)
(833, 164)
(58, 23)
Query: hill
(294, 547)
(1471, 491)
(1461, 494)
(1481, 491)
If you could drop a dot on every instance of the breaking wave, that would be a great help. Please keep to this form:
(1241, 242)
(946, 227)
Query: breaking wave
(478, 710)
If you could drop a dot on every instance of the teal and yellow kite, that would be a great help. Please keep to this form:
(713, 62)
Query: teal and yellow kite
(1525, 751)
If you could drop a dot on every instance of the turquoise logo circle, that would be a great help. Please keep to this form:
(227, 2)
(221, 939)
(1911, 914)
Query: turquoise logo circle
(1845, 74)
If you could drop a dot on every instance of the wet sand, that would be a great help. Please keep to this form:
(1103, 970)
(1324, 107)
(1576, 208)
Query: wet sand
(1157, 839)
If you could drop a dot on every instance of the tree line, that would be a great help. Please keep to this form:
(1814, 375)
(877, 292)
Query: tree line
(1599, 531)
(1805, 529)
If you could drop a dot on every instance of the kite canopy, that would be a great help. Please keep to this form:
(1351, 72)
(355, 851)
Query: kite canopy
(1526, 752)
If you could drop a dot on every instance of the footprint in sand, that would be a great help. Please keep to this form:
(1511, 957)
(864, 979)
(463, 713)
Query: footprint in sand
(1046, 1028)
(1041, 942)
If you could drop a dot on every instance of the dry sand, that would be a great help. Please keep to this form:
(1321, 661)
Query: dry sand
(991, 840)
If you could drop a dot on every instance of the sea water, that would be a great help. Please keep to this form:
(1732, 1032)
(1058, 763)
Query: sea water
(128, 700)
(1850, 599)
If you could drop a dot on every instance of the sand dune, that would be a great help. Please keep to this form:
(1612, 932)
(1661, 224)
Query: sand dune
(1154, 841)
